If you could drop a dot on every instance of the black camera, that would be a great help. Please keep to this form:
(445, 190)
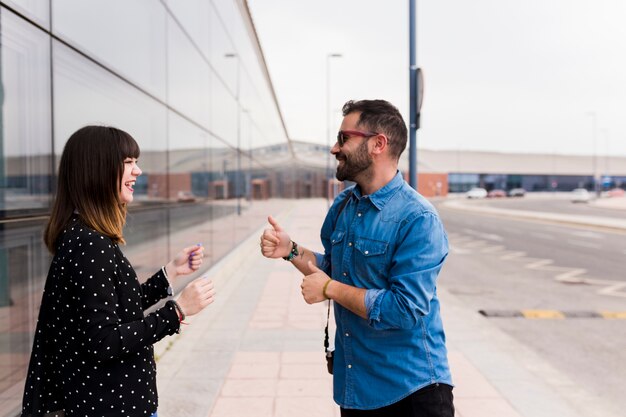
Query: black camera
(330, 358)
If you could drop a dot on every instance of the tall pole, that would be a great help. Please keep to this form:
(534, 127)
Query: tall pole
(594, 157)
(607, 169)
(328, 123)
(413, 98)
(238, 173)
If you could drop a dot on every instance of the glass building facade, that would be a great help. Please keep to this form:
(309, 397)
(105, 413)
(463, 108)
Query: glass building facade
(187, 79)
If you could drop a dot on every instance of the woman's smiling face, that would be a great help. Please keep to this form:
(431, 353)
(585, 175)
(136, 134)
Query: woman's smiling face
(131, 172)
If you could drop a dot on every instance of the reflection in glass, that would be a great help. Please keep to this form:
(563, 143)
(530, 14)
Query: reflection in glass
(25, 142)
(23, 264)
(189, 78)
(126, 36)
(184, 115)
(85, 94)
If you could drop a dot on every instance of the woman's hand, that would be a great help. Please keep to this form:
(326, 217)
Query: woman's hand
(196, 296)
(185, 262)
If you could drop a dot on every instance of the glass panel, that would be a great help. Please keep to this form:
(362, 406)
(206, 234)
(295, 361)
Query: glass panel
(223, 113)
(126, 36)
(221, 46)
(193, 16)
(24, 261)
(190, 175)
(221, 194)
(25, 139)
(113, 102)
(189, 78)
(36, 10)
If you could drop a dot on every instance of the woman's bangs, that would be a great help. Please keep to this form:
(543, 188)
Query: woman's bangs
(128, 146)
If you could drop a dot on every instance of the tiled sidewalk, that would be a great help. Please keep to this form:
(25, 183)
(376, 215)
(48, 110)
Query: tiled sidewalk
(258, 351)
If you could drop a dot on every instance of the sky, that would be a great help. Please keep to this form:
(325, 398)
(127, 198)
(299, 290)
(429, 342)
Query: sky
(530, 76)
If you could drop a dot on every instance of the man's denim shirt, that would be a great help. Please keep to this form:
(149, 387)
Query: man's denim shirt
(393, 244)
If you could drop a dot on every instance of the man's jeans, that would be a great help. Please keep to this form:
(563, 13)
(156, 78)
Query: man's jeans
(431, 401)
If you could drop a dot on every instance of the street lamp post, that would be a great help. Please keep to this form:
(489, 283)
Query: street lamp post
(248, 187)
(606, 175)
(328, 120)
(238, 173)
(594, 157)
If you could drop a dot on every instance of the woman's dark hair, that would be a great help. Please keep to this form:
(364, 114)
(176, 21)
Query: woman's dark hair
(382, 117)
(91, 168)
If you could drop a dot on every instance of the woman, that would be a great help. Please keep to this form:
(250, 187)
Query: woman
(92, 354)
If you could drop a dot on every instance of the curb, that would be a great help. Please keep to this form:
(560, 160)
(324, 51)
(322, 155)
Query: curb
(604, 223)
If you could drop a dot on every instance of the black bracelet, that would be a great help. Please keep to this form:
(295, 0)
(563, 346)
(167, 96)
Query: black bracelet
(294, 252)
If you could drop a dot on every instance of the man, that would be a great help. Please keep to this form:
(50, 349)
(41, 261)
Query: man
(384, 246)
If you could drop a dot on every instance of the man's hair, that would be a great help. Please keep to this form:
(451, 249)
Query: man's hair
(380, 116)
(90, 171)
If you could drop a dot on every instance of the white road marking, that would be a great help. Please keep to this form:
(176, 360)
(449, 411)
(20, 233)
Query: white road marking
(543, 236)
(584, 244)
(488, 236)
(587, 234)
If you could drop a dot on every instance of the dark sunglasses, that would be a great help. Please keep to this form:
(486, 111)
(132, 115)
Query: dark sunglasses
(344, 135)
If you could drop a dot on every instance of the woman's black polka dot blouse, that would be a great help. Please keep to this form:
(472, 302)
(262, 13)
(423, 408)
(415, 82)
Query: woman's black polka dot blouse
(92, 354)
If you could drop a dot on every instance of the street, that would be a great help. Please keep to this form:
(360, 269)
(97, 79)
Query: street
(507, 265)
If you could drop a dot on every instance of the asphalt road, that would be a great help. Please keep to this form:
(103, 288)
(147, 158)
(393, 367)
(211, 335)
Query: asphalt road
(552, 203)
(505, 264)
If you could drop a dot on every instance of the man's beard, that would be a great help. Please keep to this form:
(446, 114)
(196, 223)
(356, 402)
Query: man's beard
(353, 164)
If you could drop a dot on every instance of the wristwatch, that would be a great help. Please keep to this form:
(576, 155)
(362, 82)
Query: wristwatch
(294, 252)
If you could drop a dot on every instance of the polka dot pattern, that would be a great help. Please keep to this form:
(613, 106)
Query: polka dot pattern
(92, 354)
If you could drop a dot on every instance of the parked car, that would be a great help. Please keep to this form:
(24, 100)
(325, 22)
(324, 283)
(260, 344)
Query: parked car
(580, 195)
(496, 193)
(615, 192)
(186, 197)
(477, 192)
(517, 192)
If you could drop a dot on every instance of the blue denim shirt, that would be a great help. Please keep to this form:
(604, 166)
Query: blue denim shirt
(393, 244)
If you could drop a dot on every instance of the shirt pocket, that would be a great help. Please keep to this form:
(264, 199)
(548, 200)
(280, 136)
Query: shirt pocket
(370, 258)
(336, 240)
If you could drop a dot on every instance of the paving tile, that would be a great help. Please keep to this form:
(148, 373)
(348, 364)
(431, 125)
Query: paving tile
(307, 371)
(483, 407)
(254, 370)
(259, 324)
(302, 357)
(321, 388)
(249, 388)
(257, 357)
(243, 407)
(305, 407)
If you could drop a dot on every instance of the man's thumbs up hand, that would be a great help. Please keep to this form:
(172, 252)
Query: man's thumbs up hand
(275, 242)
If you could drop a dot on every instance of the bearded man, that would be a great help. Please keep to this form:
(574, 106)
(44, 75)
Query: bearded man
(384, 246)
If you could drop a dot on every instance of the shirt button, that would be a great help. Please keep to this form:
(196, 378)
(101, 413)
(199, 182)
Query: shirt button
(345, 274)
(349, 243)
(347, 334)
(349, 366)
(366, 252)
(359, 214)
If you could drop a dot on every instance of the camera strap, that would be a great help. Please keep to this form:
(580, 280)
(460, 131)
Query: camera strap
(326, 343)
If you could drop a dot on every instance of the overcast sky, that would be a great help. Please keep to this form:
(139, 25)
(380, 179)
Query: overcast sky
(500, 75)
